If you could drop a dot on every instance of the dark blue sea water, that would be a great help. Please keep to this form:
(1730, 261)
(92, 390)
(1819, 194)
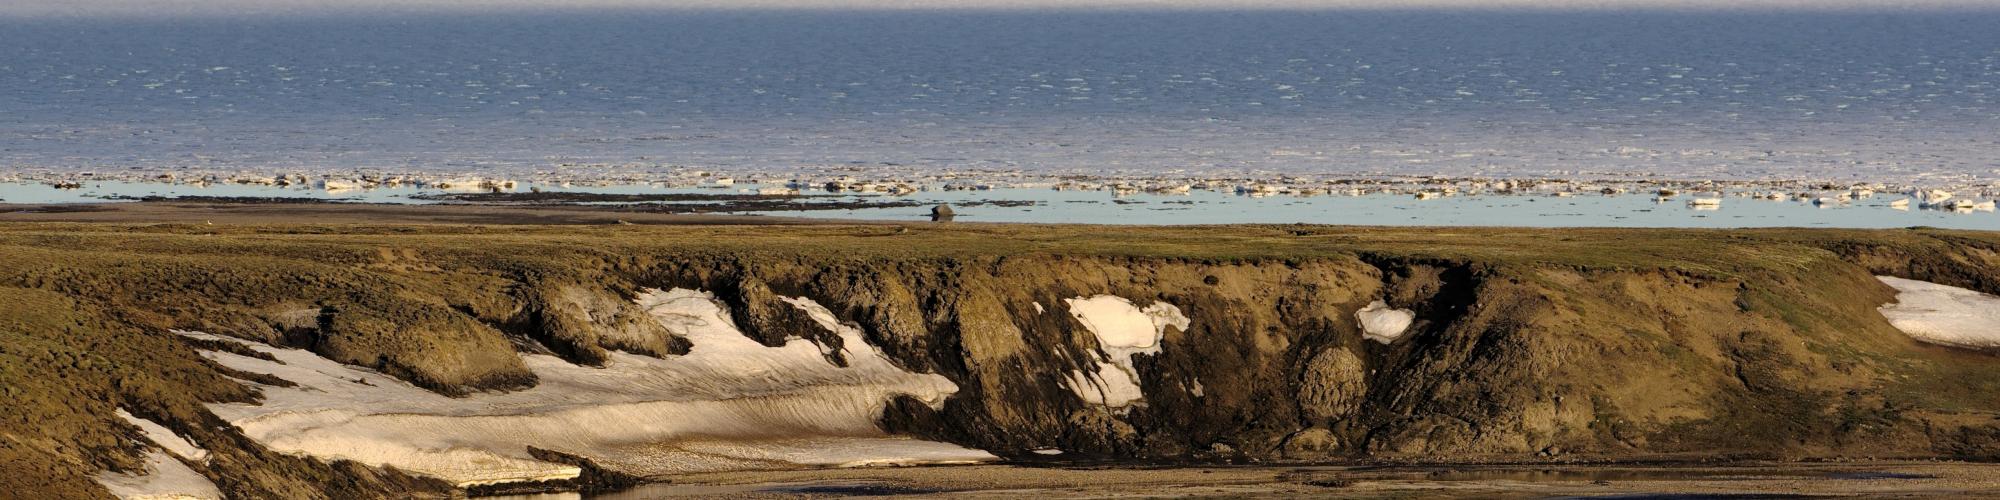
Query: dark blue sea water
(1736, 95)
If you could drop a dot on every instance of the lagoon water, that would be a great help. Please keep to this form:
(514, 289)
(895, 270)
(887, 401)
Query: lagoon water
(1896, 96)
(1044, 205)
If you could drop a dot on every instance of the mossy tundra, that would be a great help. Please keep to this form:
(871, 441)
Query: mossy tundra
(1528, 344)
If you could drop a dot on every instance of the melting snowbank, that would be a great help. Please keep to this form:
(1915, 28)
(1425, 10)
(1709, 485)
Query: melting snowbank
(1122, 330)
(1382, 324)
(166, 438)
(1943, 314)
(730, 403)
(164, 477)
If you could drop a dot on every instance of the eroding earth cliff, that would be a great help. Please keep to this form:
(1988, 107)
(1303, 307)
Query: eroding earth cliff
(306, 361)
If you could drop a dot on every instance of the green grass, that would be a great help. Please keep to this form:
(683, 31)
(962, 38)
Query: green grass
(1697, 251)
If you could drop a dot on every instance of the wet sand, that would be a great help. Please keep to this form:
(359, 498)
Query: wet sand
(1754, 480)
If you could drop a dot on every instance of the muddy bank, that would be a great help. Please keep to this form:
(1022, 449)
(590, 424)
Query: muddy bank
(562, 197)
(226, 200)
(1731, 480)
(1215, 344)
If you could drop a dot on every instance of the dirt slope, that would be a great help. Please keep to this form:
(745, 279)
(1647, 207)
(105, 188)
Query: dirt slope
(1595, 344)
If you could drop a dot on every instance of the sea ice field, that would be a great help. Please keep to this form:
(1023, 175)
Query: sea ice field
(1898, 97)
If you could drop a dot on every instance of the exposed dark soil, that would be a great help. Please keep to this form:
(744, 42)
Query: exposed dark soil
(1679, 481)
(61, 209)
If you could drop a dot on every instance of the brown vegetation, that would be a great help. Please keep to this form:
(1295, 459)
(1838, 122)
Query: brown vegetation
(1581, 344)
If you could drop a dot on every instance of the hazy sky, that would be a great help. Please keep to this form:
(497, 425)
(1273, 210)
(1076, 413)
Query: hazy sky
(236, 7)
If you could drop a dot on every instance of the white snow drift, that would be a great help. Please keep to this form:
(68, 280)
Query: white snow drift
(730, 403)
(1382, 324)
(166, 438)
(1122, 330)
(1943, 314)
(165, 478)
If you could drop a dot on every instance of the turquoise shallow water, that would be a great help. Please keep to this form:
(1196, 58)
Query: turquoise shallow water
(1404, 210)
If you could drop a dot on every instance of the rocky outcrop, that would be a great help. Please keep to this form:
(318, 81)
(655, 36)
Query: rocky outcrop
(594, 478)
(1557, 345)
(581, 323)
(1333, 386)
(66, 369)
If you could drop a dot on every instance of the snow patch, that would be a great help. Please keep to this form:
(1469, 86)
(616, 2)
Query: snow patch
(1120, 325)
(1122, 330)
(1943, 314)
(729, 404)
(166, 438)
(165, 478)
(1382, 324)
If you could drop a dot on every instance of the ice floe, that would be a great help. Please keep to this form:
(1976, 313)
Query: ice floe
(730, 403)
(1122, 330)
(1943, 314)
(1383, 324)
